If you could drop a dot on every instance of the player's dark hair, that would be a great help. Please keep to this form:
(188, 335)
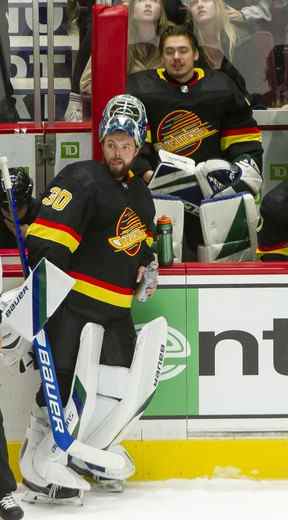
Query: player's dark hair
(178, 30)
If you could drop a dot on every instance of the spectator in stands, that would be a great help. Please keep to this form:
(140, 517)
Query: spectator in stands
(26, 206)
(8, 112)
(175, 11)
(81, 11)
(273, 230)
(215, 33)
(239, 11)
(146, 21)
(231, 44)
(202, 115)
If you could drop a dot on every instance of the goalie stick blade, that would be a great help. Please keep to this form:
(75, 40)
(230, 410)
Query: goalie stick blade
(100, 458)
(181, 162)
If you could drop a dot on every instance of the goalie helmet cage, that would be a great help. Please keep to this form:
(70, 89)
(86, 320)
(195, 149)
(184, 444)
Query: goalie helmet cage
(109, 61)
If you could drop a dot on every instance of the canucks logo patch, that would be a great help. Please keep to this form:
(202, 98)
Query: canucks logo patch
(182, 132)
(130, 233)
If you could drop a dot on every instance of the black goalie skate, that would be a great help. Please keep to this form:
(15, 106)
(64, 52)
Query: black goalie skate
(51, 494)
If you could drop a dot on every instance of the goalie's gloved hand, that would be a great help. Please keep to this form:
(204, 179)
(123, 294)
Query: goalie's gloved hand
(15, 350)
(74, 110)
(217, 176)
(214, 176)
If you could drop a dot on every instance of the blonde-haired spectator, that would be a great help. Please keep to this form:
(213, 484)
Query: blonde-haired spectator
(147, 18)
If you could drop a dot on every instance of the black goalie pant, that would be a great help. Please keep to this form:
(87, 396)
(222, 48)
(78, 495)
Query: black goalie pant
(7, 480)
(64, 330)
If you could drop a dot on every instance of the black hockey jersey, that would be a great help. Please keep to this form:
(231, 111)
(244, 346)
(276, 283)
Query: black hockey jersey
(205, 119)
(99, 231)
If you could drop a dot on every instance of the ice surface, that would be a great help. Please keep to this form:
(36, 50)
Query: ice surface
(192, 499)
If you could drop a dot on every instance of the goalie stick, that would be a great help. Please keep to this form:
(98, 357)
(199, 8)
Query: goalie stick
(63, 438)
(174, 176)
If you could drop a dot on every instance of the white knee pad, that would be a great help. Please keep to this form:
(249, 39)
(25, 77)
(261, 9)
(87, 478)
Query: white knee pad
(229, 229)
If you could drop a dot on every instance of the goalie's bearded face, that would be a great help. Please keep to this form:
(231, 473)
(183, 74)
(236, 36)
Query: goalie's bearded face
(119, 151)
(178, 58)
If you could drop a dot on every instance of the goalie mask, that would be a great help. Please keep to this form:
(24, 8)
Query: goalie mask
(124, 113)
(22, 186)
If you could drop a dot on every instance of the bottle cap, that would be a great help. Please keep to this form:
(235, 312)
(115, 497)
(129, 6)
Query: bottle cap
(164, 219)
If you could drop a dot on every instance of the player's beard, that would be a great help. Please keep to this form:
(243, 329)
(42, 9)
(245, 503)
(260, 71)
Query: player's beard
(118, 171)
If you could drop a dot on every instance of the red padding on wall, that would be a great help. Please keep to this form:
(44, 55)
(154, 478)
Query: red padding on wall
(109, 61)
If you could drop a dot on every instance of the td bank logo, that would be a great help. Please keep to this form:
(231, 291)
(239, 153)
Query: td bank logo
(178, 349)
(70, 150)
(279, 172)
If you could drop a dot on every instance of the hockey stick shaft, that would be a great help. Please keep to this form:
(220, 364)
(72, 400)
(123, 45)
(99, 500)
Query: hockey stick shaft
(62, 437)
(61, 441)
(14, 214)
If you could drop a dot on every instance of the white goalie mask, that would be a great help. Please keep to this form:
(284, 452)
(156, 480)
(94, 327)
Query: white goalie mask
(124, 113)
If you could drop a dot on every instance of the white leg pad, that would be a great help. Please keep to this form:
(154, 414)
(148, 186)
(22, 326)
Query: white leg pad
(49, 461)
(229, 229)
(34, 434)
(123, 394)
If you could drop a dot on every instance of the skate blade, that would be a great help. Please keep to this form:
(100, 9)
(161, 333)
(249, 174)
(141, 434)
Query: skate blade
(112, 486)
(36, 497)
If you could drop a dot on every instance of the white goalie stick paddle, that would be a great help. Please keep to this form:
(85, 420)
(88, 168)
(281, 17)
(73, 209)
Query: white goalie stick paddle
(61, 434)
(181, 162)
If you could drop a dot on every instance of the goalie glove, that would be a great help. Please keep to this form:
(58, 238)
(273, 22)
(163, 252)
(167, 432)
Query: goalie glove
(74, 110)
(218, 178)
(15, 350)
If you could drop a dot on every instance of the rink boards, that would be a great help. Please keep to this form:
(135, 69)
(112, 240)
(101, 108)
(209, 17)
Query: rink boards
(221, 408)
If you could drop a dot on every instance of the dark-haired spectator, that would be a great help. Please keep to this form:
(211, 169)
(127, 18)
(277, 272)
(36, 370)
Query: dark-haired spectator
(200, 114)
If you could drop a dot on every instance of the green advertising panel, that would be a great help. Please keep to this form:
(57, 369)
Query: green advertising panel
(177, 394)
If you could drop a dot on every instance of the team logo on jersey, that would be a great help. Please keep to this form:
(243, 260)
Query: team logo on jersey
(130, 233)
(182, 132)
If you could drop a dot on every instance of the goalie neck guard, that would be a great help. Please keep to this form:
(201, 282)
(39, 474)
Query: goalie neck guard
(124, 113)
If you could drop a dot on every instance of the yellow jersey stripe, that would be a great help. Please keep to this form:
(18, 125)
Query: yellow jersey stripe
(227, 141)
(55, 235)
(103, 295)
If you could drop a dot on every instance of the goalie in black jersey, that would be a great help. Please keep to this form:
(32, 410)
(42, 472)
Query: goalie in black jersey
(202, 115)
(96, 223)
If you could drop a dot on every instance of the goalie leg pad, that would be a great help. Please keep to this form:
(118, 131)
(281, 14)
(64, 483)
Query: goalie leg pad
(123, 395)
(35, 433)
(49, 461)
(229, 229)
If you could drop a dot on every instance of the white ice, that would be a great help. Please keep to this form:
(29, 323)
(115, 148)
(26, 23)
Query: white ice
(197, 499)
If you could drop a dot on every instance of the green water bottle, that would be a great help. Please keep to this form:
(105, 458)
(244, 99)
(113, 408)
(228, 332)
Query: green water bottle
(165, 241)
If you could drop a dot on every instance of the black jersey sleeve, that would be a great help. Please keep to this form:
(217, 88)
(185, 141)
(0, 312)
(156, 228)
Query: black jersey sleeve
(240, 135)
(64, 214)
